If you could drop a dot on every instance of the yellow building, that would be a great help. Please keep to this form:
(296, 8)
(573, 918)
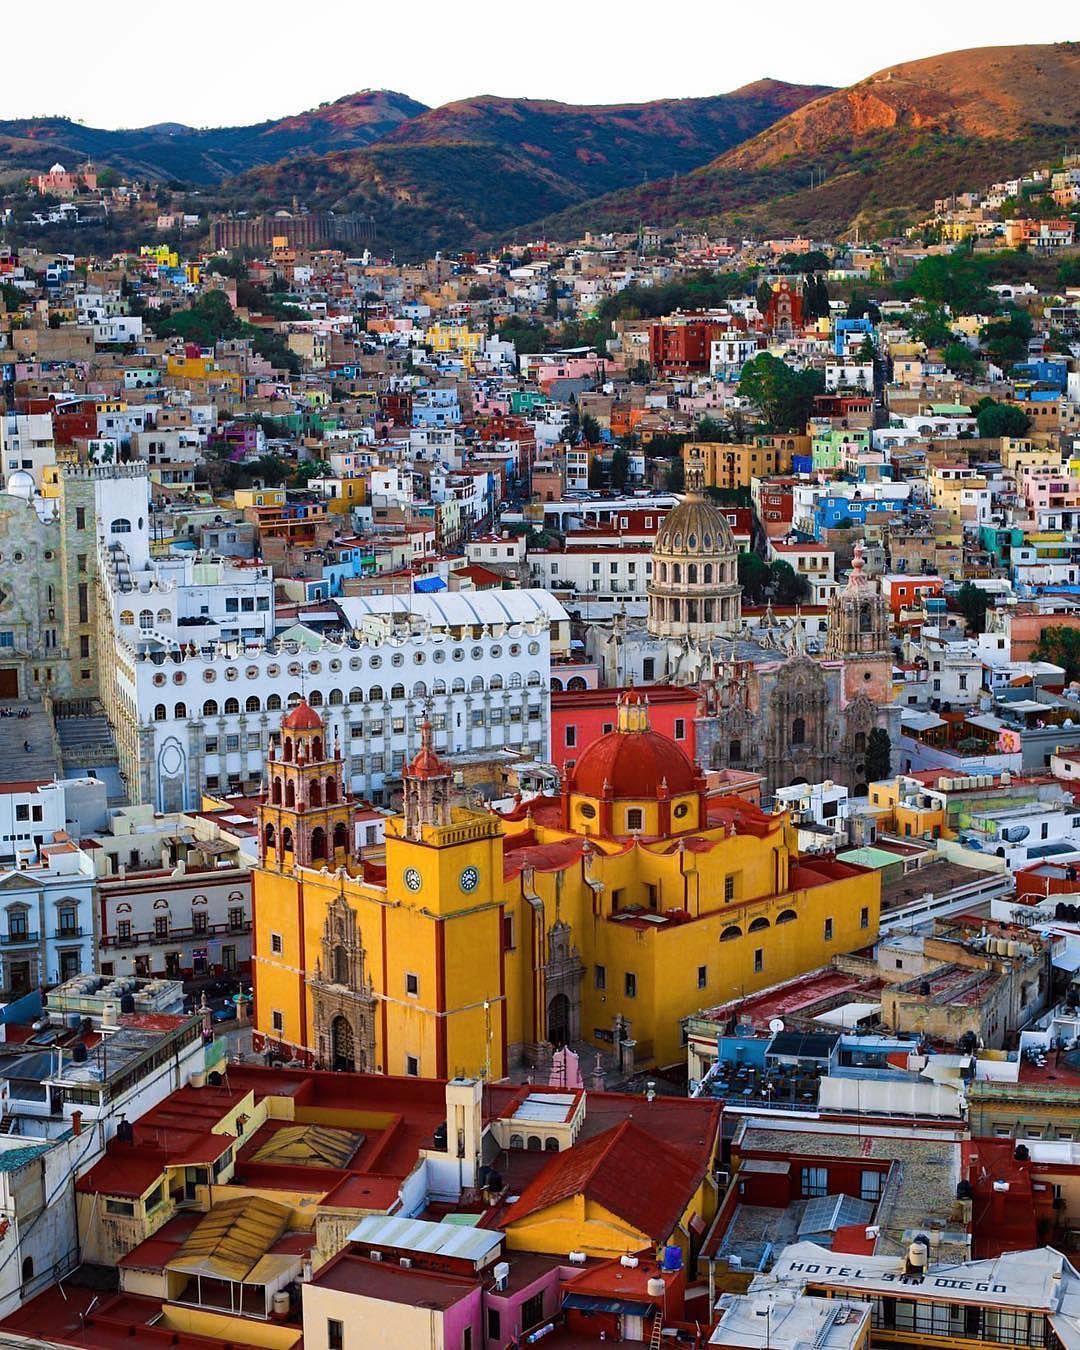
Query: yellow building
(603, 915)
(736, 466)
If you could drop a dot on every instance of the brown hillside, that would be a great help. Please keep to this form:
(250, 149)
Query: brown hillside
(985, 92)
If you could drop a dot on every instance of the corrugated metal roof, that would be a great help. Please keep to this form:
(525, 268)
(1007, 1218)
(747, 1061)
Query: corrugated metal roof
(420, 1235)
(310, 1146)
(457, 608)
(233, 1238)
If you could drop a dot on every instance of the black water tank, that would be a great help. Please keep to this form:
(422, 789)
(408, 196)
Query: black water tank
(78, 1053)
(127, 1003)
(125, 1132)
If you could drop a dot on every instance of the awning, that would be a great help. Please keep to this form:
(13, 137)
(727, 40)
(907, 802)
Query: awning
(919, 721)
(1069, 957)
(595, 1303)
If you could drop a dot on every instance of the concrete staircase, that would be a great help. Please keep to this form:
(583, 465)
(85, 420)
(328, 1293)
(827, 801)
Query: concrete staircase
(86, 740)
(42, 761)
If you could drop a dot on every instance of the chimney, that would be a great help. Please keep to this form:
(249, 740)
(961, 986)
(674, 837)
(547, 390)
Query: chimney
(76, 1123)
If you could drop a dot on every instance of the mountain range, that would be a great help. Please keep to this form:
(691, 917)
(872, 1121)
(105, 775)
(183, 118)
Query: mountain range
(487, 169)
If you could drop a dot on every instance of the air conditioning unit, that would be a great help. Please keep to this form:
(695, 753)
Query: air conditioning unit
(375, 1256)
(405, 1262)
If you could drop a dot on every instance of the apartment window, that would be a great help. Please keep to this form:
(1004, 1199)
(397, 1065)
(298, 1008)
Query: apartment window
(236, 918)
(161, 926)
(759, 959)
(494, 1324)
(634, 818)
(412, 1066)
(276, 944)
(84, 602)
(702, 976)
(122, 1208)
(870, 1187)
(123, 930)
(729, 888)
(630, 984)
(277, 1021)
(828, 930)
(864, 917)
(680, 729)
(571, 736)
(22, 811)
(815, 1182)
(335, 1334)
(80, 517)
(600, 977)
(412, 985)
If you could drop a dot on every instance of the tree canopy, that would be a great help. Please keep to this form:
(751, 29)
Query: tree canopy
(783, 397)
(1000, 419)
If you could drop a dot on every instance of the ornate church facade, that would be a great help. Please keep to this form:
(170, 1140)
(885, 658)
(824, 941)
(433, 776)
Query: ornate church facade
(767, 704)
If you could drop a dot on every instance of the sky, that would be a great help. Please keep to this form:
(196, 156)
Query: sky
(228, 62)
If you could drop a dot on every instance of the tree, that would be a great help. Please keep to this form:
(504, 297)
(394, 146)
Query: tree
(784, 397)
(878, 755)
(590, 429)
(1006, 339)
(709, 429)
(764, 297)
(675, 475)
(954, 279)
(1060, 646)
(788, 586)
(620, 468)
(959, 358)
(753, 575)
(553, 299)
(1000, 419)
(973, 602)
(596, 473)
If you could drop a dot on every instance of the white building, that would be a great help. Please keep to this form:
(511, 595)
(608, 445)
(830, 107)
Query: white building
(31, 813)
(27, 443)
(47, 919)
(200, 718)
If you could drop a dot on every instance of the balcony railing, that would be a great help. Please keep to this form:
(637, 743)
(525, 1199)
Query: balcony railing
(17, 939)
(67, 932)
(213, 930)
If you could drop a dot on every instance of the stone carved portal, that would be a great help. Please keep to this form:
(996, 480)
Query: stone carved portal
(562, 980)
(343, 1004)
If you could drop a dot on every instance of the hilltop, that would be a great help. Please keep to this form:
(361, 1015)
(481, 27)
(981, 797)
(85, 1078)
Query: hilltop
(199, 156)
(488, 165)
(881, 149)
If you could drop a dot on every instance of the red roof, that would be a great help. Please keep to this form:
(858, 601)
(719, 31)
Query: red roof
(302, 718)
(626, 1170)
(634, 764)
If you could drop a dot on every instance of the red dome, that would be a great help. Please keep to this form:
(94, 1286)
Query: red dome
(302, 718)
(634, 764)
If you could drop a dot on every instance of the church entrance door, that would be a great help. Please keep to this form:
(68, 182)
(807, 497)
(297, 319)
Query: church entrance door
(342, 1045)
(559, 1020)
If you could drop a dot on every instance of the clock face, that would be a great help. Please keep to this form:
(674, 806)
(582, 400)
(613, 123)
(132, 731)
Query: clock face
(469, 879)
(412, 879)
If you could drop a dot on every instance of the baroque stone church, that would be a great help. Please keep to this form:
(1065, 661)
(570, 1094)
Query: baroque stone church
(768, 704)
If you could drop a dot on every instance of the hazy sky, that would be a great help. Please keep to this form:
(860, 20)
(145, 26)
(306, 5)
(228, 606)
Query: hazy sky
(121, 63)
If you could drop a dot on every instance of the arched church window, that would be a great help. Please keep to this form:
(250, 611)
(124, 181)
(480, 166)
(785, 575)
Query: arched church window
(734, 751)
(798, 731)
(860, 742)
(866, 619)
(341, 966)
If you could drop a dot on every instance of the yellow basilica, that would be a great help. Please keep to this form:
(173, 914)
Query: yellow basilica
(603, 915)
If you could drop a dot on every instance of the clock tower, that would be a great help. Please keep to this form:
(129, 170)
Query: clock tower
(444, 877)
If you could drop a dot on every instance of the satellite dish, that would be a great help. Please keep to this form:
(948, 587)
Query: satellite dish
(776, 1025)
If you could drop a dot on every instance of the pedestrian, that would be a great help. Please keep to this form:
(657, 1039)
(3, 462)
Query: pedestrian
(26, 746)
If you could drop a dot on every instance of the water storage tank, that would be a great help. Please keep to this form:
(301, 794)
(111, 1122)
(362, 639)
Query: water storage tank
(672, 1258)
(281, 1304)
(655, 1287)
(1014, 947)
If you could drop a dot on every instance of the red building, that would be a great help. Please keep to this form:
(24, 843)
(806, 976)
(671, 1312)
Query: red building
(785, 309)
(680, 345)
(581, 716)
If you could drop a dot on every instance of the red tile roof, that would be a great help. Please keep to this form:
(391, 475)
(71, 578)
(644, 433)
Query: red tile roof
(625, 1170)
